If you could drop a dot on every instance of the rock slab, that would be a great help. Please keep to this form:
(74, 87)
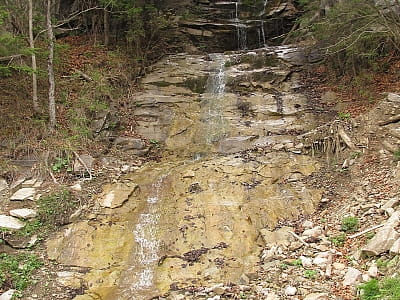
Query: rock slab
(10, 222)
(23, 194)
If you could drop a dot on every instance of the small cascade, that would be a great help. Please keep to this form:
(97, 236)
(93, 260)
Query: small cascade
(241, 30)
(214, 124)
(263, 34)
(265, 5)
(145, 257)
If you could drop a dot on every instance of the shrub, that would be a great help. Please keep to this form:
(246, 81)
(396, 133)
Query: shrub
(388, 289)
(350, 224)
(55, 208)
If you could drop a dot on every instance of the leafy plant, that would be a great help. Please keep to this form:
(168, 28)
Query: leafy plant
(297, 263)
(16, 270)
(310, 274)
(338, 240)
(61, 163)
(350, 224)
(396, 156)
(343, 115)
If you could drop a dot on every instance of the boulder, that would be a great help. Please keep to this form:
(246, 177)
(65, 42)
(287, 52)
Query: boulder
(279, 237)
(88, 164)
(381, 242)
(352, 277)
(395, 249)
(10, 222)
(24, 213)
(23, 194)
(134, 145)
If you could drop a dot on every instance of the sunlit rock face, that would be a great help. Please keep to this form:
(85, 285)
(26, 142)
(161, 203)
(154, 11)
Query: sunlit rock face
(232, 167)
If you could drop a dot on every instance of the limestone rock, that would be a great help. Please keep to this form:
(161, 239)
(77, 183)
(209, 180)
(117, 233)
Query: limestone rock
(317, 296)
(7, 295)
(88, 160)
(24, 213)
(280, 237)
(115, 195)
(395, 249)
(373, 271)
(70, 279)
(10, 222)
(338, 266)
(135, 145)
(76, 187)
(306, 262)
(315, 232)
(352, 277)
(290, 291)
(23, 194)
(381, 242)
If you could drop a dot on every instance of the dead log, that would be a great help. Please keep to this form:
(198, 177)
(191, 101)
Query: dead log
(83, 75)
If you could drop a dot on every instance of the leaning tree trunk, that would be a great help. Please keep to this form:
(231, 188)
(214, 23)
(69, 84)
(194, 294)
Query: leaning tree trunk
(50, 69)
(34, 65)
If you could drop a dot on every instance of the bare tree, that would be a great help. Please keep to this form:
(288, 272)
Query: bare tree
(50, 67)
(33, 56)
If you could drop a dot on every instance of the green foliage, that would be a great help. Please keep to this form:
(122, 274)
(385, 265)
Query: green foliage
(310, 274)
(343, 115)
(338, 240)
(297, 263)
(388, 288)
(16, 270)
(350, 224)
(30, 228)
(61, 163)
(354, 34)
(55, 208)
(396, 156)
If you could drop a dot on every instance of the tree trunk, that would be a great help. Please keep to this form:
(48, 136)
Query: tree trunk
(50, 68)
(34, 65)
(106, 28)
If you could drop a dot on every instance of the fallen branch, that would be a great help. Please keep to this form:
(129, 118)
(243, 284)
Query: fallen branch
(299, 238)
(83, 75)
(366, 231)
(83, 164)
(393, 119)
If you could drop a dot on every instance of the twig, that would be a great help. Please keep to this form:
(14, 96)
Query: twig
(365, 231)
(83, 164)
(52, 176)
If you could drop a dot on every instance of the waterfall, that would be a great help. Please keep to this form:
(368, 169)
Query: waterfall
(241, 30)
(263, 33)
(214, 126)
(146, 254)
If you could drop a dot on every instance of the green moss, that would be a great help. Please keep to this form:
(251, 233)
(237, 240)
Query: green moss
(350, 224)
(388, 289)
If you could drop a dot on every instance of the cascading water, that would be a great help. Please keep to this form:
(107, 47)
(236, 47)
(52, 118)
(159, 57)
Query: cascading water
(145, 257)
(263, 34)
(214, 123)
(241, 29)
